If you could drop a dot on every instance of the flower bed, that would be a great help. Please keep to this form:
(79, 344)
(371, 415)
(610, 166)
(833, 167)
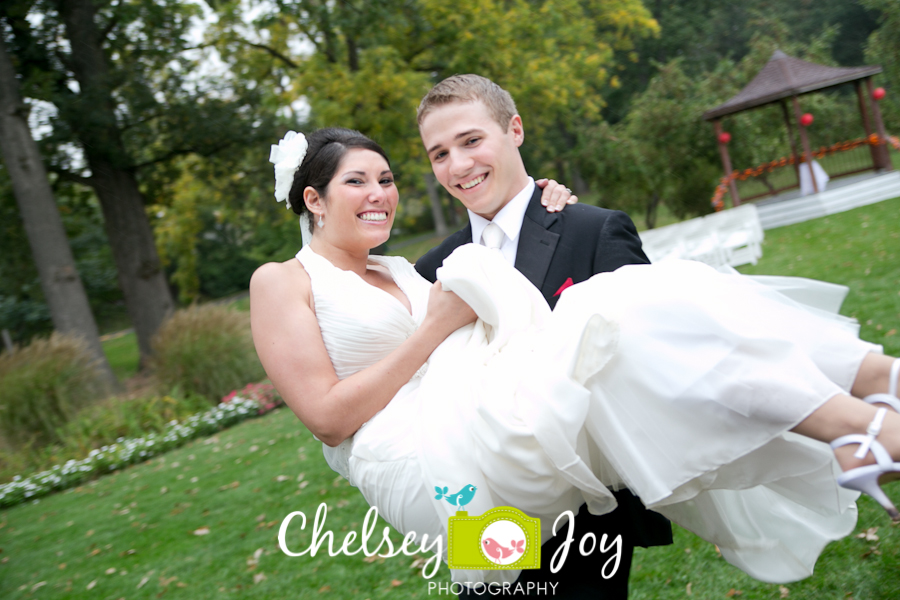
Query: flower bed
(253, 400)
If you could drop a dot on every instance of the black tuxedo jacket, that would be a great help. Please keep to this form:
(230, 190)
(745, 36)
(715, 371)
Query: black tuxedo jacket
(578, 242)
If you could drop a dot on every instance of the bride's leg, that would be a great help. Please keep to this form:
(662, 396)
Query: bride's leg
(858, 447)
(845, 415)
(874, 376)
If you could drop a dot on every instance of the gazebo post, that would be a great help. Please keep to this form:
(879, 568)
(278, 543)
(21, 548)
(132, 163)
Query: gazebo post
(787, 121)
(883, 158)
(866, 125)
(726, 164)
(807, 153)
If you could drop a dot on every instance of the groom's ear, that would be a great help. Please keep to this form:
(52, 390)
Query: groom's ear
(516, 129)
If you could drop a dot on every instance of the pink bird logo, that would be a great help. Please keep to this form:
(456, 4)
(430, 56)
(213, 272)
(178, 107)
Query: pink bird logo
(498, 552)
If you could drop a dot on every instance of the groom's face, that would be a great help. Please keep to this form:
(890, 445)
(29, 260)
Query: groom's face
(473, 157)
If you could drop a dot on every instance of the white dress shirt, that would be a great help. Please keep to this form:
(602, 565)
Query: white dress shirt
(509, 219)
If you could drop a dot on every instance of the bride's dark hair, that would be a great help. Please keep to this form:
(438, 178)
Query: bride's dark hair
(327, 148)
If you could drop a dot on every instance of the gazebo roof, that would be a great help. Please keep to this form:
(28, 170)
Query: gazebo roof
(785, 76)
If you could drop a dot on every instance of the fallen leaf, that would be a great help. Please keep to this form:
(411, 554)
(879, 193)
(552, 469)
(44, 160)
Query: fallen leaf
(254, 560)
(201, 531)
(163, 490)
(687, 550)
(260, 577)
(261, 517)
(95, 552)
(89, 586)
(181, 584)
(687, 589)
(144, 580)
(230, 486)
(281, 478)
(733, 592)
(869, 534)
(325, 588)
(128, 552)
(254, 448)
(111, 571)
(89, 533)
(783, 591)
(396, 582)
(62, 566)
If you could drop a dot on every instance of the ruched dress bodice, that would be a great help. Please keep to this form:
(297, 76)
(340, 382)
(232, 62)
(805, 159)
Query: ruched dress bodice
(360, 323)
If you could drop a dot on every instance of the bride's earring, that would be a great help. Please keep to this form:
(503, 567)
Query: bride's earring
(320, 222)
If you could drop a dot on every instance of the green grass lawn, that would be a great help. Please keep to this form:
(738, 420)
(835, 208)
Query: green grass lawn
(122, 354)
(139, 533)
(858, 248)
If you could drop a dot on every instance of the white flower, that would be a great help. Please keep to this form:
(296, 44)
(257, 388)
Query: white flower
(286, 157)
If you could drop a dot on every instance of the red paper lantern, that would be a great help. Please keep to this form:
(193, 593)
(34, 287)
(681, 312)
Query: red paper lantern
(878, 93)
(724, 137)
(806, 120)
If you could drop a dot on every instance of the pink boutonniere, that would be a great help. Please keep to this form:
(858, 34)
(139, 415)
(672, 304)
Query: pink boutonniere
(563, 287)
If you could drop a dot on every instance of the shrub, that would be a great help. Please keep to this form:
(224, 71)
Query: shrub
(115, 418)
(206, 350)
(253, 400)
(43, 385)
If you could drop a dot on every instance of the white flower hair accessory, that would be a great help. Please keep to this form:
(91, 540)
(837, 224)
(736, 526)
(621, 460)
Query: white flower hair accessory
(286, 157)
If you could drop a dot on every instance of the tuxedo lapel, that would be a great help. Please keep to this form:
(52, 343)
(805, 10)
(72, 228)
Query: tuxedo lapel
(536, 243)
(466, 233)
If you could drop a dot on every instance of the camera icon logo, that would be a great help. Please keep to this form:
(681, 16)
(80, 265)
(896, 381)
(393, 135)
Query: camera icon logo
(503, 538)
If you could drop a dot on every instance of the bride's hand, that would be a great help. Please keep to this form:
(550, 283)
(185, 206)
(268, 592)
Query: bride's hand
(447, 311)
(555, 195)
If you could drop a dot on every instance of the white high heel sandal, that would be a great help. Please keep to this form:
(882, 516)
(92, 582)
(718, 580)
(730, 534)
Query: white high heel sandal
(865, 479)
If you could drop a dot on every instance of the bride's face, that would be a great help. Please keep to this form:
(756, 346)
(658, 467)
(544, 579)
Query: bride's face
(361, 201)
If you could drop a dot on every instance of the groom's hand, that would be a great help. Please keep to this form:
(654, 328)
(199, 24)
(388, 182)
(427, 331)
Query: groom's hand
(555, 195)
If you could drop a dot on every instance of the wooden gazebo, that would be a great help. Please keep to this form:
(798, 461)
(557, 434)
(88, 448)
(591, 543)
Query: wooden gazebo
(785, 77)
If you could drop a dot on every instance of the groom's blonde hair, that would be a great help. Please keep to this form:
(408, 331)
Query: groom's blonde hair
(470, 88)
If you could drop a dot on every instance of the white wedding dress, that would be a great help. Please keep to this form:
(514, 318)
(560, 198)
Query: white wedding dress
(673, 380)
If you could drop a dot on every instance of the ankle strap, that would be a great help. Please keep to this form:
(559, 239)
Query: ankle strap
(872, 432)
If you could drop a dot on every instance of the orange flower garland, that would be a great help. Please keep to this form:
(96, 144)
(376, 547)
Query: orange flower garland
(718, 200)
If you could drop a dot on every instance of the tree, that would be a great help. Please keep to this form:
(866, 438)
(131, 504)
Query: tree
(883, 47)
(60, 281)
(129, 97)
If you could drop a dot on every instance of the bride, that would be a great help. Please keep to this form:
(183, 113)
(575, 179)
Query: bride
(711, 396)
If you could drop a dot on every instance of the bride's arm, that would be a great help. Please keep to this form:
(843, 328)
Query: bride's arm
(290, 346)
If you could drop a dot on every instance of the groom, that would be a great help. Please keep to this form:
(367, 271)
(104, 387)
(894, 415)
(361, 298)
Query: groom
(472, 133)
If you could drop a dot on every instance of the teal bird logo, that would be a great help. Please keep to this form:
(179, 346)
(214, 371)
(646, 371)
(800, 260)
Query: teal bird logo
(460, 498)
